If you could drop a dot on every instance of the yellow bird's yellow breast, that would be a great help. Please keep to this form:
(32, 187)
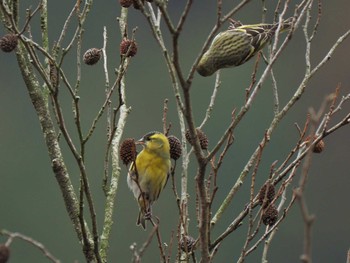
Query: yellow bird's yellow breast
(152, 172)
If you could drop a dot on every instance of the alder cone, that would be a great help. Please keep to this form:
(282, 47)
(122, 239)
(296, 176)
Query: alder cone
(8, 42)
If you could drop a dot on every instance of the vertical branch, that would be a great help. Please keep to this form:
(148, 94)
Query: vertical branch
(80, 162)
(154, 25)
(204, 215)
(109, 125)
(59, 168)
(43, 25)
(275, 93)
(307, 217)
(76, 98)
(107, 88)
(307, 39)
(110, 198)
(164, 120)
(308, 221)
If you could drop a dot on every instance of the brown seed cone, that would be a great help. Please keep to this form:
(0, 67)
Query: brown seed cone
(127, 151)
(128, 47)
(4, 253)
(270, 215)
(126, 3)
(187, 243)
(268, 196)
(92, 56)
(8, 42)
(175, 147)
(319, 147)
(203, 139)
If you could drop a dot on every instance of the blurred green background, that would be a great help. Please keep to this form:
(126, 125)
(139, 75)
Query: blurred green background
(30, 200)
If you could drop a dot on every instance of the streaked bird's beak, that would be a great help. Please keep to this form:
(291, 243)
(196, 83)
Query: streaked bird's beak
(140, 142)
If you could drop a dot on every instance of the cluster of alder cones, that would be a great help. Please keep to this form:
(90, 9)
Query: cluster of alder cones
(128, 152)
(128, 48)
(267, 191)
(265, 197)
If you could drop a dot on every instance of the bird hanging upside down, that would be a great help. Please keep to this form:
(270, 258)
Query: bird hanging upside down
(237, 45)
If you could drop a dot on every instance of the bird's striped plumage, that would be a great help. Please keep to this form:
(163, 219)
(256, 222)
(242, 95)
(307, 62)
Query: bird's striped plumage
(236, 46)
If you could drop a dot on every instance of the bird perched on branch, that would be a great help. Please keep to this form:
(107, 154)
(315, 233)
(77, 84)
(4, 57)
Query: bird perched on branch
(237, 45)
(148, 174)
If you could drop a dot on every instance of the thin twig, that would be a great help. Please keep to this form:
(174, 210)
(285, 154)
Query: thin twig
(65, 27)
(148, 241)
(212, 99)
(31, 241)
(159, 239)
(250, 232)
(164, 119)
(30, 16)
(253, 76)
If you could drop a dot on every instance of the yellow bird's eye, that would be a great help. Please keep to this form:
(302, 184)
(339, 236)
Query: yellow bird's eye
(148, 136)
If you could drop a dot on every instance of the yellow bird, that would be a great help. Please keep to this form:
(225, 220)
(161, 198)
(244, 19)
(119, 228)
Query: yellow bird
(149, 173)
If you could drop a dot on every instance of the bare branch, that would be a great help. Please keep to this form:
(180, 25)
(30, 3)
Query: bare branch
(212, 99)
(31, 241)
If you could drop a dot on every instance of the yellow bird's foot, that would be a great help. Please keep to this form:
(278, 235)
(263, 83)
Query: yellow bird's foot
(148, 216)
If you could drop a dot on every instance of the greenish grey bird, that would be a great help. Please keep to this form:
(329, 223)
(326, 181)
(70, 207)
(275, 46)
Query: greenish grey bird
(237, 45)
